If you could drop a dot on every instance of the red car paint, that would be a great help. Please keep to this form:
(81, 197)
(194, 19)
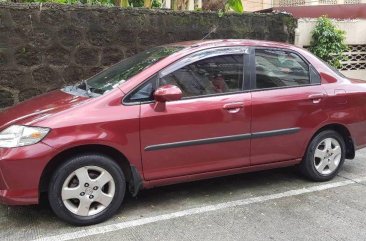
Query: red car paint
(136, 130)
(168, 93)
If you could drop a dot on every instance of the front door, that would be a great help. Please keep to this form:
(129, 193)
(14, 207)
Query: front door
(206, 131)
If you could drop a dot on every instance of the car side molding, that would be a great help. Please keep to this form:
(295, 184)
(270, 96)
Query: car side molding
(223, 139)
(276, 132)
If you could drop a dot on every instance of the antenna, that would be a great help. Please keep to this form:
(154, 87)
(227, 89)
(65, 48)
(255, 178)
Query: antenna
(213, 30)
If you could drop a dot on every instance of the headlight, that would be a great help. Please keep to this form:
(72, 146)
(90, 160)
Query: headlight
(16, 136)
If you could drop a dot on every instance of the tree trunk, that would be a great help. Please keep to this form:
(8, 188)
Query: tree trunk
(117, 3)
(124, 3)
(182, 4)
(121, 3)
(147, 3)
(174, 5)
(213, 5)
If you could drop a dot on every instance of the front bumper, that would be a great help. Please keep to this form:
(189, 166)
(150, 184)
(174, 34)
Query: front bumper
(20, 173)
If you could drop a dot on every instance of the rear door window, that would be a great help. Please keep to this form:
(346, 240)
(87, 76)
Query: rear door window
(279, 68)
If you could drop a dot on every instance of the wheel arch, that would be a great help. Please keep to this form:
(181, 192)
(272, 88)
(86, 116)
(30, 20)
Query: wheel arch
(133, 177)
(345, 133)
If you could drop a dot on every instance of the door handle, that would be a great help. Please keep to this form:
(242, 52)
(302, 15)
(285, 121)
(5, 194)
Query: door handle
(316, 98)
(234, 107)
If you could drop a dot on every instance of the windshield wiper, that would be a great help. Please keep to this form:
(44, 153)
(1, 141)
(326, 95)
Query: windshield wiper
(87, 88)
(83, 86)
(92, 91)
(83, 89)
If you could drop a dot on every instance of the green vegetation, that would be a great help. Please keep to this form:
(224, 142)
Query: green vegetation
(136, 3)
(230, 5)
(90, 2)
(235, 5)
(156, 4)
(328, 42)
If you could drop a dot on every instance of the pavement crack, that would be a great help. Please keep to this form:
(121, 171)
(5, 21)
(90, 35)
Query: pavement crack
(353, 180)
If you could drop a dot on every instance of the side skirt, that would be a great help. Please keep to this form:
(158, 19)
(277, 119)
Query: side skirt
(208, 175)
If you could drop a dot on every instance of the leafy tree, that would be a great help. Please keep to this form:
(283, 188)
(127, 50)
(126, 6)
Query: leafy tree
(155, 4)
(215, 5)
(328, 42)
(136, 3)
(223, 6)
(235, 5)
(91, 2)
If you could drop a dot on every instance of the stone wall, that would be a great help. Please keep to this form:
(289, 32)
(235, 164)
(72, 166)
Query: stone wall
(44, 47)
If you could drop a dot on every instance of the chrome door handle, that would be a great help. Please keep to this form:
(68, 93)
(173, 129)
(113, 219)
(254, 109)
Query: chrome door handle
(316, 98)
(234, 107)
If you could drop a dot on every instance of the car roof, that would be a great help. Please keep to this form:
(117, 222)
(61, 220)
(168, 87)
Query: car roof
(231, 42)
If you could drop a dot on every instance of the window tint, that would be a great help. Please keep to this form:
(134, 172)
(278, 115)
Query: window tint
(277, 68)
(314, 76)
(219, 74)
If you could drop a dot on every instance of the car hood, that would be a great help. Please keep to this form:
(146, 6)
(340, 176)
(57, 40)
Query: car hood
(39, 108)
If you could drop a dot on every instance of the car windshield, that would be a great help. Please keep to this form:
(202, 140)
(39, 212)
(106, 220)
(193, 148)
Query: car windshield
(125, 69)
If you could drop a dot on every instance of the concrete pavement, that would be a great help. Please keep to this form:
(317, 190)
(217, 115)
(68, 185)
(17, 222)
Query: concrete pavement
(271, 205)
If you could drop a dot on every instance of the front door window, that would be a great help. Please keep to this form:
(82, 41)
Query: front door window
(215, 75)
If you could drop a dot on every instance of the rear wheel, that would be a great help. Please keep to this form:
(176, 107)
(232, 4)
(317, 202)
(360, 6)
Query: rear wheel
(324, 157)
(87, 189)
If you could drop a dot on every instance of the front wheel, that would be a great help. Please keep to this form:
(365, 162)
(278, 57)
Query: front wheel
(87, 189)
(324, 157)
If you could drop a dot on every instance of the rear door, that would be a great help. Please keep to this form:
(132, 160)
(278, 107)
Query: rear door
(287, 103)
(209, 129)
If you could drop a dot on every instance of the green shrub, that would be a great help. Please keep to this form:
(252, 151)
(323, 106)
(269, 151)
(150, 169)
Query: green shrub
(91, 2)
(235, 5)
(328, 42)
(136, 3)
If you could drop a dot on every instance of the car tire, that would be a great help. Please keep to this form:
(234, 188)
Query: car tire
(324, 157)
(91, 181)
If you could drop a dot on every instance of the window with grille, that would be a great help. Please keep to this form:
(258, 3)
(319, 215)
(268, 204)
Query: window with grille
(286, 3)
(352, 1)
(328, 2)
(356, 58)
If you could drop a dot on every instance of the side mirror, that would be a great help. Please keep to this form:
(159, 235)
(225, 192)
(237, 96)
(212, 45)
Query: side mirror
(168, 93)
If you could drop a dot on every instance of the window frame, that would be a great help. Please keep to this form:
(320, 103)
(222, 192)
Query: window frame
(254, 75)
(249, 73)
(128, 96)
(245, 51)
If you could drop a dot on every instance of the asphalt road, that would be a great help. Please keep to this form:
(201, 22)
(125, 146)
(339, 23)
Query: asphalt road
(270, 205)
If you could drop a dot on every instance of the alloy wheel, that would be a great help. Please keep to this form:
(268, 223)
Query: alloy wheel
(327, 156)
(88, 191)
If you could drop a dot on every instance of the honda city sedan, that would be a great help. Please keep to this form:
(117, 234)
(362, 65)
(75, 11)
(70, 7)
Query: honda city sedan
(179, 113)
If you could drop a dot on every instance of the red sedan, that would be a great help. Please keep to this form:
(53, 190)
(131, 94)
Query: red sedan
(179, 113)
